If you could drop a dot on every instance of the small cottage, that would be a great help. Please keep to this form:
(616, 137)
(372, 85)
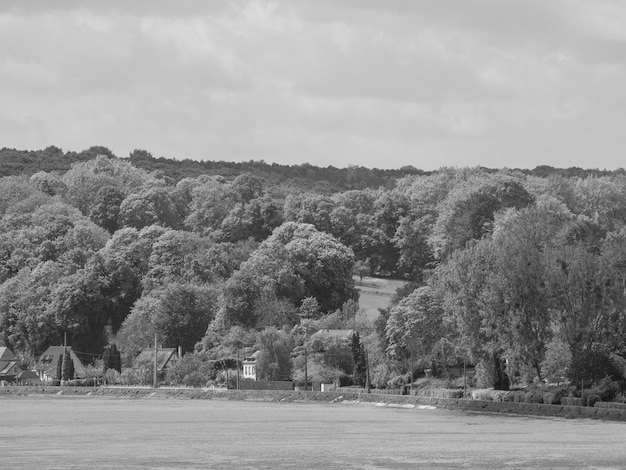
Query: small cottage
(165, 358)
(50, 361)
(8, 365)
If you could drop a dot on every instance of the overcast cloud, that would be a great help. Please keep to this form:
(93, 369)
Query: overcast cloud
(497, 83)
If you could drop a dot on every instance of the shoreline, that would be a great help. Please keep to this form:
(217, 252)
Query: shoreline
(283, 396)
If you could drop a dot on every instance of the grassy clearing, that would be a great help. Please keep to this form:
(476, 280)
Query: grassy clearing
(375, 293)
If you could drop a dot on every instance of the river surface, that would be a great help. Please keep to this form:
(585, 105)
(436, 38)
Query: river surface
(155, 433)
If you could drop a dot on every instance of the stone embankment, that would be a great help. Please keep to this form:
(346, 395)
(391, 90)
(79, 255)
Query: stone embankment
(527, 409)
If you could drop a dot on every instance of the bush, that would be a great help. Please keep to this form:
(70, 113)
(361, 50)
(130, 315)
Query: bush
(550, 398)
(482, 394)
(112, 376)
(590, 367)
(483, 376)
(142, 376)
(439, 393)
(572, 401)
(620, 398)
(533, 397)
(592, 399)
(517, 396)
(557, 359)
(609, 404)
(606, 389)
(192, 370)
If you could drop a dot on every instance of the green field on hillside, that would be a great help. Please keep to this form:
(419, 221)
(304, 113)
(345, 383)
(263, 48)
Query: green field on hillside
(375, 293)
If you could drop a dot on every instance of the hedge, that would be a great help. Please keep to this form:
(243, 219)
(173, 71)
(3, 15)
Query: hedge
(610, 404)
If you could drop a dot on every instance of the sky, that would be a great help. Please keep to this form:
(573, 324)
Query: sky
(374, 83)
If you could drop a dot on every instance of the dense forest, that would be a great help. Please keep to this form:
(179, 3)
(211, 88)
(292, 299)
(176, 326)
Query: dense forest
(522, 273)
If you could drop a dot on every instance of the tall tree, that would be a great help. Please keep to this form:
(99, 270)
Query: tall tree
(274, 358)
(415, 327)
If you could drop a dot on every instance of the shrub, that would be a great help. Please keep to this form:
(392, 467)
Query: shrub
(439, 393)
(112, 376)
(557, 359)
(550, 398)
(620, 398)
(192, 370)
(482, 394)
(609, 404)
(572, 401)
(484, 374)
(606, 389)
(592, 399)
(142, 376)
(590, 367)
(500, 395)
(533, 397)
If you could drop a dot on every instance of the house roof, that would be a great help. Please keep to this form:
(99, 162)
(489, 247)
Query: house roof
(27, 374)
(48, 362)
(164, 357)
(251, 358)
(6, 354)
(9, 368)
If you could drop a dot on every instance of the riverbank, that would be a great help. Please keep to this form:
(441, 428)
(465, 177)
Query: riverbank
(526, 409)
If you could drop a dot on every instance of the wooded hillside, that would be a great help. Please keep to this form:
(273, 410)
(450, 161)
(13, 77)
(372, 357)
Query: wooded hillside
(522, 272)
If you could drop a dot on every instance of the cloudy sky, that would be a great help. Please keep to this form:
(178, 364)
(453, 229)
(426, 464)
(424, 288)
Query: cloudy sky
(377, 83)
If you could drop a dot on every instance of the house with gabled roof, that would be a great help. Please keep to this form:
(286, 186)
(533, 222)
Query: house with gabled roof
(9, 367)
(49, 364)
(165, 358)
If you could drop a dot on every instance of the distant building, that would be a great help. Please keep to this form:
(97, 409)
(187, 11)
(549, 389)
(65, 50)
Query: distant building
(8, 365)
(28, 377)
(249, 366)
(166, 358)
(48, 365)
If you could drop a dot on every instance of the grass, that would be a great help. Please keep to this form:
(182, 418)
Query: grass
(375, 293)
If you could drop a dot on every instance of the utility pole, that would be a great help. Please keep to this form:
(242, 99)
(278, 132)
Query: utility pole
(464, 380)
(306, 372)
(63, 358)
(154, 383)
(237, 368)
(368, 385)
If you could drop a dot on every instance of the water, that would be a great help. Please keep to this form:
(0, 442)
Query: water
(123, 433)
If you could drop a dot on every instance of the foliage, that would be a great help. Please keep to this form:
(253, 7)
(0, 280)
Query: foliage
(274, 358)
(67, 366)
(294, 263)
(111, 358)
(193, 369)
(359, 375)
(526, 267)
(416, 327)
(590, 367)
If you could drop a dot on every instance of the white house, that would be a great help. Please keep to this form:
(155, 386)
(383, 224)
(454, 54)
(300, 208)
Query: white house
(249, 366)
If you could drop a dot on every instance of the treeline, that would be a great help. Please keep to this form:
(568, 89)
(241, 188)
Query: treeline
(325, 180)
(306, 176)
(523, 275)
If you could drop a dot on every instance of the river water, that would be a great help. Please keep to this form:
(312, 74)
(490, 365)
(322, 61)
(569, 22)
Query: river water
(151, 433)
